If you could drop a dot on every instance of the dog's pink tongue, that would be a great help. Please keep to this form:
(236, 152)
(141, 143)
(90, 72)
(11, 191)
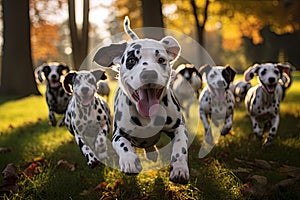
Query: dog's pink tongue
(148, 103)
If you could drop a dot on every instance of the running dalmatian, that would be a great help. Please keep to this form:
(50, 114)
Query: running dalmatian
(216, 100)
(263, 100)
(88, 115)
(145, 105)
(57, 99)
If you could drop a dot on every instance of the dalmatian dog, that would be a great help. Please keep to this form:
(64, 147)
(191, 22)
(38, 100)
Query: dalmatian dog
(145, 105)
(216, 99)
(186, 85)
(263, 100)
(57, 99)
(239, 88)
(87, 115)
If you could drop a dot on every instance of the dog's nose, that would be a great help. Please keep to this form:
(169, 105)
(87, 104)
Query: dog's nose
(53, 76)
(221, 83)
(271, 80)
(84, 90)
(148, 76)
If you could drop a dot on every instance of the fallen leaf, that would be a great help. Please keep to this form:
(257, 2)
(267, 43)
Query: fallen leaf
(32, 169)
(5, 150)
(262, 164)
(242, 170)
(260, 180)
(10, 177)
(66, 164)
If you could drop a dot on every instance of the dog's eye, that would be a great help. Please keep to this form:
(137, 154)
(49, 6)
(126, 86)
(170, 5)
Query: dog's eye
(263, 72)
(91, 81)
(161, 61)
(130, 62)
(276, 72)
(212, 76)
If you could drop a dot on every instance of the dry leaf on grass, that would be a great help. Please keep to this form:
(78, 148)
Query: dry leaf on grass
(66, 164)
(10, 177)
(5, 150)
(33, 167)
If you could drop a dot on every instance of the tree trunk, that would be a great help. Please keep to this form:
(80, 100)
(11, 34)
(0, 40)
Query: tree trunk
(153, 17)
(17, 75)
(200, 26)
(79, 38)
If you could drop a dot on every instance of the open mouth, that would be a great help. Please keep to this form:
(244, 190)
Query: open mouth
(54, 83)
(270, 87)
(148, 98)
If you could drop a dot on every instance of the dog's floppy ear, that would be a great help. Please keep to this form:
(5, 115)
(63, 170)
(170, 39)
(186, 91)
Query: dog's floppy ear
(39, 73)
(250, 72)
(64, 68)
(228, 73)
(99, 74)
(106, 56)
(204, 69)
(172, 47)
(285, 70)
(68, 82)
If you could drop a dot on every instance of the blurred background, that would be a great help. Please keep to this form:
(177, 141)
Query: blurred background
(239, 33)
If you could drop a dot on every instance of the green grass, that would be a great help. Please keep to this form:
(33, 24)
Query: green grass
(25, 131)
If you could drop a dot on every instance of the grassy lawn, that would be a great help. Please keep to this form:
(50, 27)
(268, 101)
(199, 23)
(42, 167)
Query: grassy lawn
(237, 167)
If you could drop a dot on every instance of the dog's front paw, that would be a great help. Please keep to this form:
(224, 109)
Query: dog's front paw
(179, 171)
(130, 163)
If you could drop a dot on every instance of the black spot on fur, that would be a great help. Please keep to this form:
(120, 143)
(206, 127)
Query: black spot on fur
(165, 100)
(169, 120)
(183, 150)
(136, 121)
(176, 124)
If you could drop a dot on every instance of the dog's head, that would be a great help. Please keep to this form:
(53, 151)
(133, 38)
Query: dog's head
(145, 68)
(240, 88)
(268, 74)
(83, 85)
(218, 79)
(191, 74)
(52, 73)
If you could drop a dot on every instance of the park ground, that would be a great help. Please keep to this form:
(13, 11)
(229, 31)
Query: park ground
(49, 164)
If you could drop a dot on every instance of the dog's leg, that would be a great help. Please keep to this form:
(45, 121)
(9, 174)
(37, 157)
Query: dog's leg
(51, 117)
(92, 160)
(273, 131)
(62, 121)
(227, 125)
(128, 160)
(179, 171)
(256, 129)
(207, 129)
(100, 143)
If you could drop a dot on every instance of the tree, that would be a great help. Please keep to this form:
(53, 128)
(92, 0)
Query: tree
(153, 17)
(79, 38)
(200, 26)
(17, 77)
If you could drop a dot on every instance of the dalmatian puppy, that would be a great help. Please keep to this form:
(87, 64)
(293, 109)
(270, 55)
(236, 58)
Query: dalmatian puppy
(87, 115)
(263, 100)
(186, 85)
(239, 88)
(216, 100)
(57, 99)
(145, 105)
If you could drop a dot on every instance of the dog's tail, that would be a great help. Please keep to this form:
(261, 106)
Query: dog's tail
(128, 30)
